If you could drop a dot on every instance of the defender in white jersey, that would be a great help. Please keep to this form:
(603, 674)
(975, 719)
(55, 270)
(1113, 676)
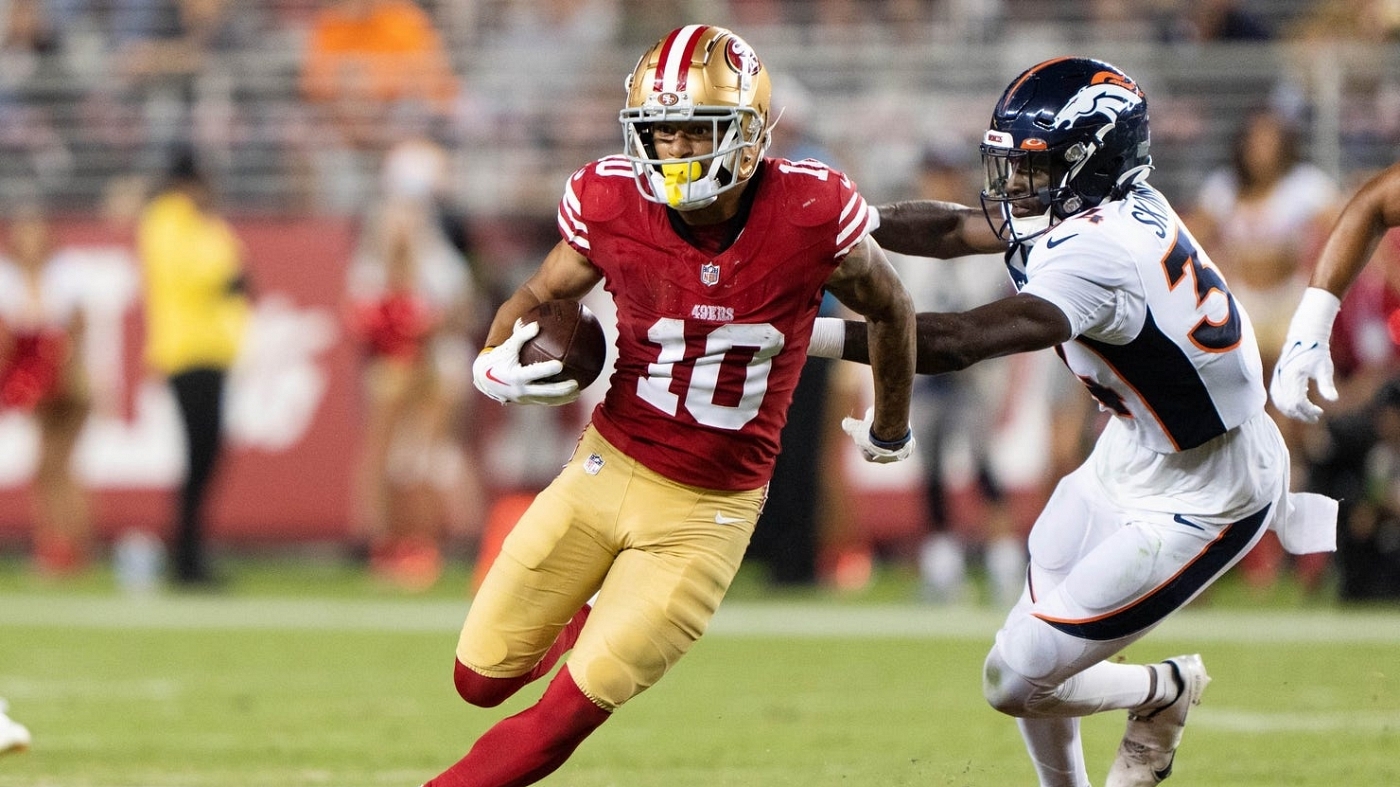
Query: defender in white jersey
(1189, 473)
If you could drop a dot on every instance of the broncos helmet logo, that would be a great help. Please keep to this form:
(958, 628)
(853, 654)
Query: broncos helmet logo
(1107, 99)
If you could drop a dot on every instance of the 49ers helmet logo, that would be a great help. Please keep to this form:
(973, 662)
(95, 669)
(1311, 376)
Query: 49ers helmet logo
(741, 57)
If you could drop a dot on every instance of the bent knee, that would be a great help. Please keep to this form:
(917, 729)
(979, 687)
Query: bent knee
(480, 690)
(1008, 694)
(1008, 691)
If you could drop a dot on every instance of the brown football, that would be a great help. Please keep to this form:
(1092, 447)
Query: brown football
(570, 333)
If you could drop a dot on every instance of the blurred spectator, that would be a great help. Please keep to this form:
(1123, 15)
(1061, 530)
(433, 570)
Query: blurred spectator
(28, 133)
(983, 433)
(370, 67)
(904, 21)
(1110, 20)
(1347, 20)
(1358, 463)
(1264, 219)
(412, 306)
(196, 314)
(174, 59)
(42, 373)
(1198, 21)
(553, 47)
(1337, 65)
(795, 136)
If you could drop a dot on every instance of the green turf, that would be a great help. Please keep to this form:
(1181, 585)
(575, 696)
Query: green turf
(306, 678)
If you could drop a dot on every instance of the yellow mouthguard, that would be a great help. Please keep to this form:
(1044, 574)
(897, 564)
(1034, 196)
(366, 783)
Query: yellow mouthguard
(676, 175)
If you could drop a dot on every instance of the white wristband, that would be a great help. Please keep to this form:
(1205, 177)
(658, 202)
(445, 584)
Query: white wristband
(1313, 318)
(828, 338)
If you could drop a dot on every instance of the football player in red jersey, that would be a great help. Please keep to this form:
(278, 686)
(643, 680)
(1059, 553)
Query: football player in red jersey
(717, 258)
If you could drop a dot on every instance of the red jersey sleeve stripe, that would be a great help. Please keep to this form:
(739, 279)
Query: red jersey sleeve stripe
(854, 224)
(571, 224)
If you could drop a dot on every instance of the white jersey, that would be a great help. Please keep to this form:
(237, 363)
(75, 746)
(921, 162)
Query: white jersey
(1157, 337)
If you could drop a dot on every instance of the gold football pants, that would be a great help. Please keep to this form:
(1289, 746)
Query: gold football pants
(659, 554)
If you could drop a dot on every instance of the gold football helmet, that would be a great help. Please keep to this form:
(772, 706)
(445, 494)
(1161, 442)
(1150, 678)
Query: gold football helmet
(697, 73)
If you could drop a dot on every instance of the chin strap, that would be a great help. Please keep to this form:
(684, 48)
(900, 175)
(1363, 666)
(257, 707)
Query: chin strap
(1029, 227)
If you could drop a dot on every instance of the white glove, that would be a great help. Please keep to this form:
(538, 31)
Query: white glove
(498, 374)
(1307, 355)
(875, 450)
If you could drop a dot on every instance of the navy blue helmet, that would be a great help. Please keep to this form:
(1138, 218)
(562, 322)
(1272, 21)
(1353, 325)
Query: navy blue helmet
(1066, 135)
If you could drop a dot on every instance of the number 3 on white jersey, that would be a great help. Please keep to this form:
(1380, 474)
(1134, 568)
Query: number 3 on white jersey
(763, 339)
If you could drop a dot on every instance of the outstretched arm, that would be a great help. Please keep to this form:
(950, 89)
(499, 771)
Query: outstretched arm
(929, 228)
(867, 283)
(1307, 354)
(1374, 209)
(951, 341)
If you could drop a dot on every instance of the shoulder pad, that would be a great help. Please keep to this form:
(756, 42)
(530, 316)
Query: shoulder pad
(811, 190)
(603, 189)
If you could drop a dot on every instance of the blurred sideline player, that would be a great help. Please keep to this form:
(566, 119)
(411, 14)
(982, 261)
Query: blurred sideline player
(716, 258)
(411, 303)
(197, 305)
(983, 432)
(42, 373)
(1190, 472)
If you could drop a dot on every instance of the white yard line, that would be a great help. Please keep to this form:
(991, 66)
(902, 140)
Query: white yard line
(739, 618)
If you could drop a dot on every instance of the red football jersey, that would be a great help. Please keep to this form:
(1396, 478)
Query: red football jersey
(710, 348)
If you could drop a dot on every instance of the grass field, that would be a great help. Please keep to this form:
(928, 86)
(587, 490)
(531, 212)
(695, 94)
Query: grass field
(303, 674)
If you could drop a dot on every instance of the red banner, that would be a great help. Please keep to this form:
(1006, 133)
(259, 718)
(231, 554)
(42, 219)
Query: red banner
(291, 409)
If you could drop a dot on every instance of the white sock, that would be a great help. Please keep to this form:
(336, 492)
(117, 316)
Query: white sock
(1110, 686)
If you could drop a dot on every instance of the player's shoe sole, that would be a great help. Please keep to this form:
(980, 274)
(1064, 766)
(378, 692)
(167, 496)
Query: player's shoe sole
(1148, 749)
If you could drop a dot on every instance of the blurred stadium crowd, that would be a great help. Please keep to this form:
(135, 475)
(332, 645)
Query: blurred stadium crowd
(406, 158)
(290, 100)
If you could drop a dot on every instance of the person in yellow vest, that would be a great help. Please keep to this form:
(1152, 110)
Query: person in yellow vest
(196, 313)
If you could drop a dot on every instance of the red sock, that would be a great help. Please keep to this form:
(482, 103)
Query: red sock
(530, 745)
(487, 692)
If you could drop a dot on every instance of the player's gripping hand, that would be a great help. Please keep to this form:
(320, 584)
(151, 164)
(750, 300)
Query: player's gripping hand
(873, 448)
(498, 374)
(1307, 355)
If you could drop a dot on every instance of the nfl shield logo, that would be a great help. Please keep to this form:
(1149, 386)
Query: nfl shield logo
(709, 274)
